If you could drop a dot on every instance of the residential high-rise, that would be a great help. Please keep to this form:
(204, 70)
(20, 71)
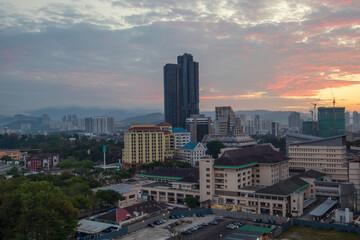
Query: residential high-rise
(99, 125)
(331, 121)
(257, 123)
(181, 90)
(347, 118)
(198, 125)
(356, 120)
(294, 120)
(226, 121)
(275, 128)
(181, 137)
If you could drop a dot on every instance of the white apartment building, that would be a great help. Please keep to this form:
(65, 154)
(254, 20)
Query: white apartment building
(192, 152)
(181, 137)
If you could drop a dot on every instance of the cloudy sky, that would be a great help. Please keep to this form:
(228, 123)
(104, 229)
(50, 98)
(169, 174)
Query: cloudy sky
(266, 54)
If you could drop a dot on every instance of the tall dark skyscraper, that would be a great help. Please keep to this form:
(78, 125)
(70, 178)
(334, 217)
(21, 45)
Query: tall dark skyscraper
(181, 90)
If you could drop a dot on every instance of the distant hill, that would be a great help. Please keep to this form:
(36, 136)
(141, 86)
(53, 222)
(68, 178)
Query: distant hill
(118, 114)
(152, 118)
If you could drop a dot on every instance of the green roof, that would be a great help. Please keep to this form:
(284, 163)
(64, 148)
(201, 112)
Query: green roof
(302, 187)
(227, 166)
(256, 229)
(146, 175)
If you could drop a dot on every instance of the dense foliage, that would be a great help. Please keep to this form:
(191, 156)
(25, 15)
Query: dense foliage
(80, 149)
(214, 148)
(108, 196)
(275, 141)
(192, 202)
(35, 210)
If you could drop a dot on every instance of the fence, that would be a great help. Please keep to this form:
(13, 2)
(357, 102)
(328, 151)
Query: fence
(278, 231)
(248, 216)
(188, 213)
(115, 234)
(90, 212)
(327, 226)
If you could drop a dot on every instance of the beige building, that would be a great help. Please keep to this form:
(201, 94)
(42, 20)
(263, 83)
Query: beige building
(258, 165)
(229, 187)
(171, 185)
(146, 143)
(326, 155)
(354, 177)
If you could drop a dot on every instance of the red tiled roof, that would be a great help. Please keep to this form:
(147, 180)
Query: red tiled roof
(144, 128)
(122, 215)
(164, 124)
(153, 129)
(355, 160)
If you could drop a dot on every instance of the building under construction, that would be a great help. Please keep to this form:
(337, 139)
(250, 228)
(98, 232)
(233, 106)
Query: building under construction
(331, 121)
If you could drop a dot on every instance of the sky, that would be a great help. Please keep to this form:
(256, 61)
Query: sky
(275, 55)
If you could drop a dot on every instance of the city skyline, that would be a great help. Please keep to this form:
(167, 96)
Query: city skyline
(281, 55)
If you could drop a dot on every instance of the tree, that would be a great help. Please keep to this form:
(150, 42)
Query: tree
(35, 210)
(108, 196)
(6, 158)
(14, 171)
(214, 148)
(81, 202)
(174, 233)
(192, 202)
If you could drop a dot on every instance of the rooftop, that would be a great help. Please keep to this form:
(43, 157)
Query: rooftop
(175, 173)
(147, 207)
(116, 216)
(323, 208)
(179, 130)
(92, 227)
(232, 140)
(193, 145)
(250, 155)
(291, 185)
(164, 124)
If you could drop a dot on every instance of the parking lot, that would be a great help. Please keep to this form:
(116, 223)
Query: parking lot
(158, 232)
(207, 231)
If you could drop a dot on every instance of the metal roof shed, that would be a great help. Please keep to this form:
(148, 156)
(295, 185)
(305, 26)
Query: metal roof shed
(323, 208)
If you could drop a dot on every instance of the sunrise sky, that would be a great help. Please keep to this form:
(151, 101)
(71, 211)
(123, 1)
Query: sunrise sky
(276, 55)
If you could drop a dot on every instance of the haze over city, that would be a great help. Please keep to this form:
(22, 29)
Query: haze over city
(275, 55)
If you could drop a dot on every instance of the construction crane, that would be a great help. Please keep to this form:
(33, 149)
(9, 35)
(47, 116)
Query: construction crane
(333, 97)
(315, 104)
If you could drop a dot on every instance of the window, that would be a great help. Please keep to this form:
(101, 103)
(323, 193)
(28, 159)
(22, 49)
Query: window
(207, 193)
(207, 186)
(208, 175)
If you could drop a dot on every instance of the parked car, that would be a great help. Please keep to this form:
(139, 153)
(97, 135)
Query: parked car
(213, 222)
(281, 223)
(151, 225)
(230, 226)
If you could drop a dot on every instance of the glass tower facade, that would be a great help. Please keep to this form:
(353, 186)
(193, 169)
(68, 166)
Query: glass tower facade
(181, 90)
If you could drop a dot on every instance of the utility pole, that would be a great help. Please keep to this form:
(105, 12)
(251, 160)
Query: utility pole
(104, 150)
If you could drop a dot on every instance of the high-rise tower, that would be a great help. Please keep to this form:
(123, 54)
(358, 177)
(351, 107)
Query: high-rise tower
(181, 90)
